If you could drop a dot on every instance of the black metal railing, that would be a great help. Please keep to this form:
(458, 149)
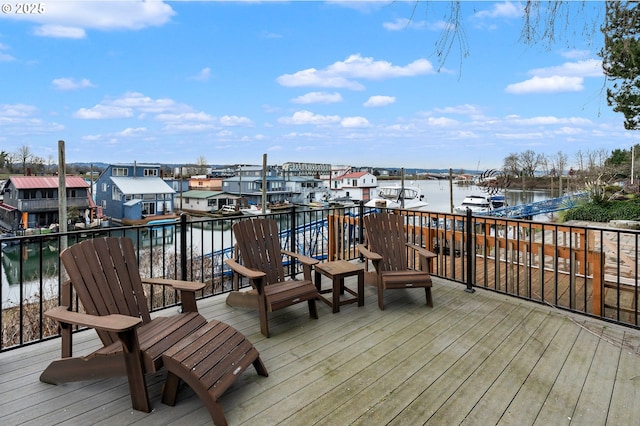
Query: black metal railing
(591, 271)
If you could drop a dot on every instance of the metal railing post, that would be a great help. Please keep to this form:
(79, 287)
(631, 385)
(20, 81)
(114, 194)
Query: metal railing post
(469, 248)
(293, 241)
(183, 246)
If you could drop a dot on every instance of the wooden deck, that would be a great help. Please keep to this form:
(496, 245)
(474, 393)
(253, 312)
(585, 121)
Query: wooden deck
(476, 359)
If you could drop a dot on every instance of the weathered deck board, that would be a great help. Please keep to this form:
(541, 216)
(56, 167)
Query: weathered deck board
(480, 358)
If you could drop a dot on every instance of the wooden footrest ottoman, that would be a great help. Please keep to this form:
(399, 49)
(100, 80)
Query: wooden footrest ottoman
(209, 361)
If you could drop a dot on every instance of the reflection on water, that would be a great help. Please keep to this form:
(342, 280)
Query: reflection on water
(40, 260)
(439, 195)
(32, 256)
(35, 264)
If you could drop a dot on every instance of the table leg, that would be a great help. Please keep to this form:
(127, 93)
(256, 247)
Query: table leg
(360, 288)
(336, 294)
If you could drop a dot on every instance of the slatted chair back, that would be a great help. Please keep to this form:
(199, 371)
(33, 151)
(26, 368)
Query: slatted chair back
(386, 236)
(105, 276)
(258, 242)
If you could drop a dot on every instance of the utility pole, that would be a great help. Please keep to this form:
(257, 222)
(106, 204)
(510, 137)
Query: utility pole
(451, 190)
(264, 183)
(633, 157)
(62, 194)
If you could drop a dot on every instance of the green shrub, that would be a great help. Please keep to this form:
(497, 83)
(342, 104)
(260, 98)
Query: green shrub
(605, 211)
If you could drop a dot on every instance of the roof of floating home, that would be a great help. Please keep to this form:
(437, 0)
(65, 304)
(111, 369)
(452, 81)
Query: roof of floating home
(200, 193)
(142, 185)
(39, 182)
(353, 175)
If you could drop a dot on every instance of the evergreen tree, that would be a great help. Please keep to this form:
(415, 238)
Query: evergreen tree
(621, 59)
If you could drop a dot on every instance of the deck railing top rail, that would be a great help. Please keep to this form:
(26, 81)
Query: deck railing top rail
(592, 271)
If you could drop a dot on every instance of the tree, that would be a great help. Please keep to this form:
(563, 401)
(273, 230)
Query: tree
(202, 165)
(529, 162)
(510, 165)
(38, 165)
(23, 155)
(559, 163)
(4, 156)
(621, 59)
(544, 23)
(580, 160)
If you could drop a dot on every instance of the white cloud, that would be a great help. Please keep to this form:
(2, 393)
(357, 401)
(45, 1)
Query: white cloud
(60, 31)
(72, 18)
(397, 25)
(16, 110)
(314, 78)
(520, 136)
(186, 117)
(71, 84)
(441, 121)
(343, 74)
(307, 117)
(101, 112)
(234, 120)
(5, 57)
(501, 10)
(586, 68)
(555, 84)
(203, 75)
(567, 77)
(22, 120)
(146, 104)
(379, 101)
(318, 98)
(465, 109)
(130, 104)
(405, 23)
(548, 120)
(354, 122)
(130, 131)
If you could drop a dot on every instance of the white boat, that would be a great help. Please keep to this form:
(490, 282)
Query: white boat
(480, 203)
(397, 197)
(253, 210)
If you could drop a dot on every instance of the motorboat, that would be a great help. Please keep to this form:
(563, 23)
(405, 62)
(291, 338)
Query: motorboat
(254, 210)
(498, 201)
(399, 197)
(480, 203)
(475, 203)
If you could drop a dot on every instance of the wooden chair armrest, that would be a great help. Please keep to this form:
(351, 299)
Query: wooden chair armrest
(306, 260)
(370, 255)
(244, 271)
(113, 323)
(187, 290)
(255, 277)
(177, 284)
(423, 252)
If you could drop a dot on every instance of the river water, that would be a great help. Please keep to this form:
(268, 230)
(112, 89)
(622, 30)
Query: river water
(438, 194)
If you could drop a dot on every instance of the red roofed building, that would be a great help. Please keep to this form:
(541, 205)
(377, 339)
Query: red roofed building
(32, 201)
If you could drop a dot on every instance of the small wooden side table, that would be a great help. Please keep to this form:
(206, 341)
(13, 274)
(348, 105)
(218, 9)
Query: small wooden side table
(337, 271)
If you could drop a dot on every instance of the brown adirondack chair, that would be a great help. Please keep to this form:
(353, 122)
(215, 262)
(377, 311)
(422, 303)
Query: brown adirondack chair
(258, 245)
(388, 250)
(105, 275)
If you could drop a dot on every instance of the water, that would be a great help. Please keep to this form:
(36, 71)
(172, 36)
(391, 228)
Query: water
(438, 192)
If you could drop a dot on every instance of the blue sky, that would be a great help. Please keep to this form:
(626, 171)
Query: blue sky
(330, 82)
